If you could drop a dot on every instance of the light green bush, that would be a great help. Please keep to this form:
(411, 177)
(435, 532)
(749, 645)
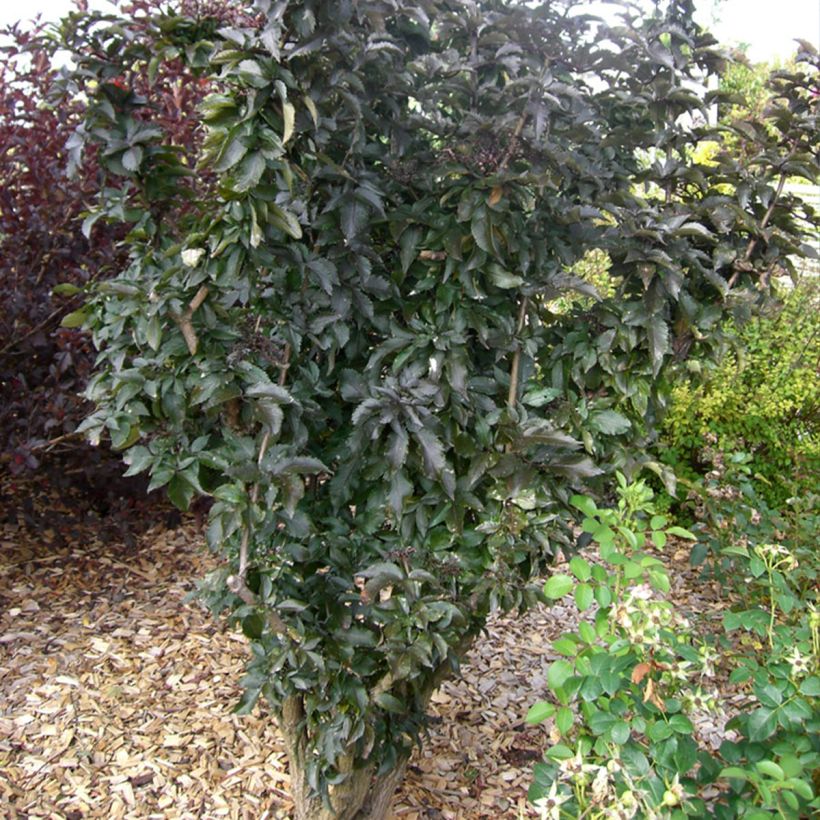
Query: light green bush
(763, 399)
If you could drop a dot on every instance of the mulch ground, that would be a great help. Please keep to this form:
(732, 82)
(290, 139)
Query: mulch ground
(116, 693)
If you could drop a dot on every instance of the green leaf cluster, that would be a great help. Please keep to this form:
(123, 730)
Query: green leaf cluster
(631, 678)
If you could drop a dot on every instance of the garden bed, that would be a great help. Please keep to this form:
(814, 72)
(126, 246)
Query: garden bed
(117, 693)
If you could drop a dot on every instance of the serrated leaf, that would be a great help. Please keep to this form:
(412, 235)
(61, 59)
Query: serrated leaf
(811, 686)
(400, 488)
(559, 752)
(249, 172)
(657, 334)
(137, 458)
(762, 723)
(180, 491)
(587, 633)
(539, 712)
(232, 151)
(558, 674)
(564, 719)
(770, 768)
(432, 451)
(585, 504)
(584, 596)
(397, 451)
(132, 158)
(565, 646)
(734, 772)
(284, 220)
(557, 586)
(619, 732)
(580, 568)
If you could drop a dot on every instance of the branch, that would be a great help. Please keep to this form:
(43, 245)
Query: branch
(246, 533)
(743, 265)
(47, 321)
(48, 445)
(184, 320)
(519, 127)
(435, 256)
(515, 367)
(236, 585)
(15, 342)
(284, 365)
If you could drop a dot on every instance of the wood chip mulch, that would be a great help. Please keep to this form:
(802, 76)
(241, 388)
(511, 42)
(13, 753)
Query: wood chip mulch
(116, 695)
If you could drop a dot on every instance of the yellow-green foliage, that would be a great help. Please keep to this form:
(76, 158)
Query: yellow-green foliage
(763, 399)
(593, 268)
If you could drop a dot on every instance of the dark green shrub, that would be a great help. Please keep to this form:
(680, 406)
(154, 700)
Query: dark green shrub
(349, 343)
(763, 399)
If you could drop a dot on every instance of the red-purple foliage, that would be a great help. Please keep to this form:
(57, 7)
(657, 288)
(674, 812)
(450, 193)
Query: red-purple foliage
(43, 366)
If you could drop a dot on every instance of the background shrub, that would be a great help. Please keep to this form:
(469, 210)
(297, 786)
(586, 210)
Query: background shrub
(42, 366)
(763, 399)
(52, 248)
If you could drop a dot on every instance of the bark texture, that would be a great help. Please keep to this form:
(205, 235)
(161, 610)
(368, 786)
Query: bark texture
(361, 796)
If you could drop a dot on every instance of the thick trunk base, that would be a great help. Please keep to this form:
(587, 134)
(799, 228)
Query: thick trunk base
(361, 796)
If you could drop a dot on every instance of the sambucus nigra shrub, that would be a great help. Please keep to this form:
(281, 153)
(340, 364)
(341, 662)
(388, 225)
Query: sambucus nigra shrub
(349, 342)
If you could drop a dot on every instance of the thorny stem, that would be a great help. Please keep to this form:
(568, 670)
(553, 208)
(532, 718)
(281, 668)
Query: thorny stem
(772, 608)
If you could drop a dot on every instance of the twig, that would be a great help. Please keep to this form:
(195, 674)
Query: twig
(55, 441)
(246, 534)
(36, 329)
(519, 127)
(47, 321)
(240, 588)
(184, 320)
(284, 366)
(515, 366)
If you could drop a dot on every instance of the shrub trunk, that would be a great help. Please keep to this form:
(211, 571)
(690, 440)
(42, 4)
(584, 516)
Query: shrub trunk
(363, 795)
